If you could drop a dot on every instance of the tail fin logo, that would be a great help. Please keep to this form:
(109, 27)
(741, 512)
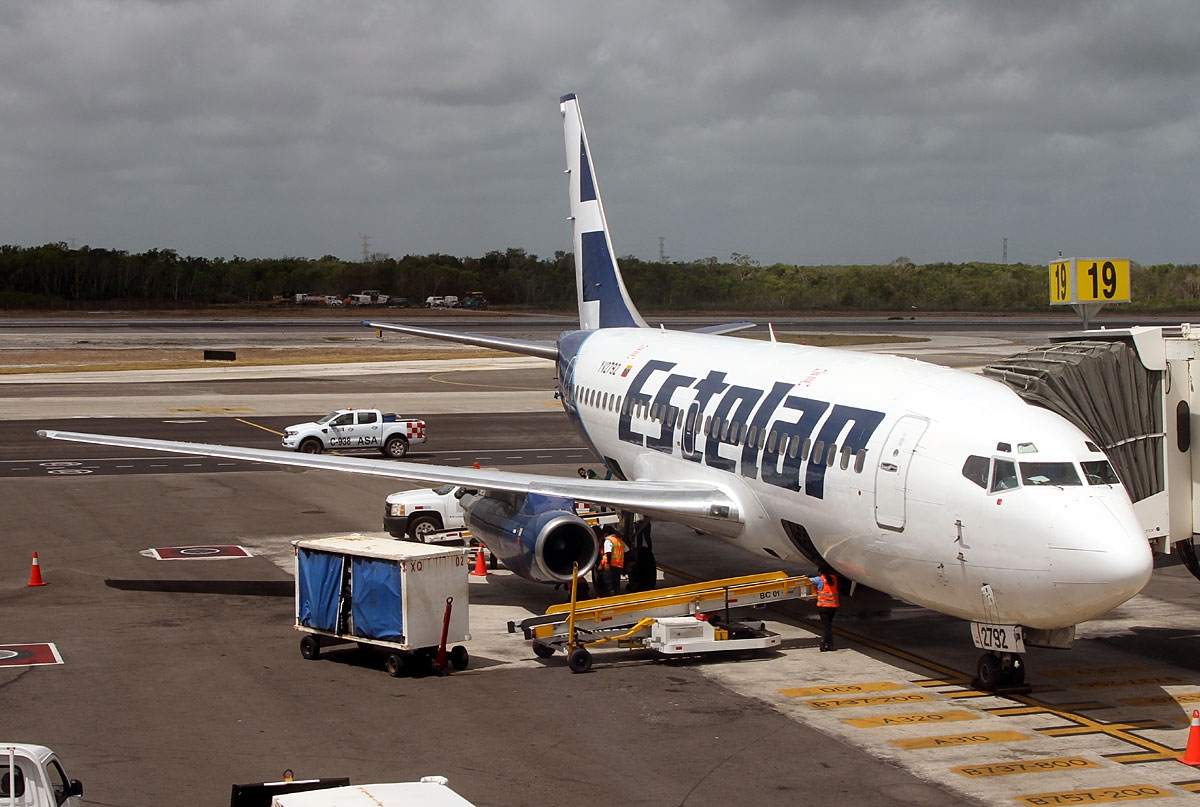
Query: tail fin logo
(603, 299)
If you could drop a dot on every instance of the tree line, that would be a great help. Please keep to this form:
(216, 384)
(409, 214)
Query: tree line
(58, 277)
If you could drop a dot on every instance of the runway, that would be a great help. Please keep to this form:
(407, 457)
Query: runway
(191, 672)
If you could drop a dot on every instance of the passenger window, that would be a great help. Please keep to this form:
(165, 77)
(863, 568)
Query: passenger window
(344, 420)
(735, 432)
(691, 419)
(751, 435)
(976, 469)
(818, 453)
(707, 425)
(762, 439)
(794, 446)
(772, 438)
(367, 417)
(861, 457)
(1049, 473)
(804, 450)
(1004, 475)
(831, 457)
(845, 457)
(1100, 472)
(604, 401)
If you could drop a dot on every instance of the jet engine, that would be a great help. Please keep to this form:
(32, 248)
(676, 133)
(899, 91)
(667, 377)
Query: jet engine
(538, 537)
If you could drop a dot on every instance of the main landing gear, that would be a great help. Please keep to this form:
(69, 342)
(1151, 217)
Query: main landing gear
(1000, 671)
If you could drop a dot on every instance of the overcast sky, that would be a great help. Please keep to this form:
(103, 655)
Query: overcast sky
(845, 131)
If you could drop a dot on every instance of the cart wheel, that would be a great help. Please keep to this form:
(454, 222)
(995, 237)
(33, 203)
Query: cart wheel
(542, 650)
(459, 658)
(310, 648)
(394, 664)
(580, 660)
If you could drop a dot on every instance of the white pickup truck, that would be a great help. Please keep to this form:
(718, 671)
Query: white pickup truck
(32, 776)
(356, 428)
(435, 515)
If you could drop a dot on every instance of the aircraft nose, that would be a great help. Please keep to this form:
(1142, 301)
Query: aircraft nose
(1099, 557)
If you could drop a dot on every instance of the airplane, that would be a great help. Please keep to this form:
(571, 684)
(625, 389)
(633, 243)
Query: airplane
(933, 485)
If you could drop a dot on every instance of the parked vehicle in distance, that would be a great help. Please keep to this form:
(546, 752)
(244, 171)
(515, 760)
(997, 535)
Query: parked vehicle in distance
(356, 428)
(398, 302)
(333, 300)
(32, 776)
(476, 300)
(435, 302)
(369, 297)
(451, 301)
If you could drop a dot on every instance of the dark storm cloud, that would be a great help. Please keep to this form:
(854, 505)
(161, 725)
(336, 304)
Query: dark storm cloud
(798, 132)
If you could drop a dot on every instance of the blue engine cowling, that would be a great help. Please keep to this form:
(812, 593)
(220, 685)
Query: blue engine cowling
(538, 537)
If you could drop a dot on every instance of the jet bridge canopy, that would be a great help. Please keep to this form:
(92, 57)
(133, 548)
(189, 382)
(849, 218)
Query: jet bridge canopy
(1104, 388)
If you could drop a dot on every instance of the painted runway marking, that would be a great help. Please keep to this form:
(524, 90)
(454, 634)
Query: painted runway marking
(199, 552)
(868, 700)
(955, 740)
(29, 655)
(1096, 796)
(911, 719)
(841, 689)
(1025, 766)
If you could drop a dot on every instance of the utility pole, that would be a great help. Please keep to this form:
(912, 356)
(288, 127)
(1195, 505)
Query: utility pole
(662, 249)
(366, 242)
(1005, 259)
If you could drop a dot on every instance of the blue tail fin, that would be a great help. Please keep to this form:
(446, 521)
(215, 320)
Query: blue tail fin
(603, 299)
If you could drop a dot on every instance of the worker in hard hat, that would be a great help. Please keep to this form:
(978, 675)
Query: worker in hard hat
(826, 582)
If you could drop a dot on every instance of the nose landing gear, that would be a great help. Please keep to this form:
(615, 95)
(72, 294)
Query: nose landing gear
(997, 671)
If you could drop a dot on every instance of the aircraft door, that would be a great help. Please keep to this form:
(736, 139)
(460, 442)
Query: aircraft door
(691, 425)
(891, 475)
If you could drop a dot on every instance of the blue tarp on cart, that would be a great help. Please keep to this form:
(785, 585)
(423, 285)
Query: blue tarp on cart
(319, 581)
(376, 607)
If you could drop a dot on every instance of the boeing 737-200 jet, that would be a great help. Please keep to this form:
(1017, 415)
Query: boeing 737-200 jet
(933, 485)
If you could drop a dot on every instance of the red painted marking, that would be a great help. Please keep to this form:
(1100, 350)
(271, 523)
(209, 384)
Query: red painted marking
(199, 552)
(29, 655)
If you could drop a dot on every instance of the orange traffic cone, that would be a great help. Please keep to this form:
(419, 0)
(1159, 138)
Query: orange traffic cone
(480, 563)
(1191, 755)
(35, 573)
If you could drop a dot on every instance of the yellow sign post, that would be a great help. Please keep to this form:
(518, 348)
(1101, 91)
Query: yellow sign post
(1089, 284)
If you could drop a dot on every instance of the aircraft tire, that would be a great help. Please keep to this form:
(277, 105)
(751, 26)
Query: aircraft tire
(580, 660)
(989, 671)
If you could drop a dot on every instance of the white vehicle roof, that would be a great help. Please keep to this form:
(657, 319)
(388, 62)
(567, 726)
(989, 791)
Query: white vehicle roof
(39, 753)
(393, 794)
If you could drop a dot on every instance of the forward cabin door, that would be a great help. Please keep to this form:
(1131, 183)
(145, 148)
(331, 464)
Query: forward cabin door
(891, 475)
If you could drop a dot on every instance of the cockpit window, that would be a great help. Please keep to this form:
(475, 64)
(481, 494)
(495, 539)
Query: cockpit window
(976, 469)
(1026, 448)
(1100, 472)
(1091, 446)
(1049, 473)
(1004, 475)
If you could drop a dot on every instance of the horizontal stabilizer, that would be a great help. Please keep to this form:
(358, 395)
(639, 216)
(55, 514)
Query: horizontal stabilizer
(525, 347)
(728, 327)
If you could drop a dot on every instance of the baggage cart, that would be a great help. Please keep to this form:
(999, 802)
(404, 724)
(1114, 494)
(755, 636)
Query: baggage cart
(405, 600)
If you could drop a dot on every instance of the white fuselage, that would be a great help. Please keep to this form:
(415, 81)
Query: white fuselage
(867, 457)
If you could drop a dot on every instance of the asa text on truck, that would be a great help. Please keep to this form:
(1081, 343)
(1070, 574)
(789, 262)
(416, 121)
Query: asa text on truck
(353, 429)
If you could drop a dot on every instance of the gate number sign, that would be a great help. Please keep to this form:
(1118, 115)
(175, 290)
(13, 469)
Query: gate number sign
(1089, 280)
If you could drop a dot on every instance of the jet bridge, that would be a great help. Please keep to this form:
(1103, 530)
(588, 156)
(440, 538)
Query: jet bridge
(1133, 391)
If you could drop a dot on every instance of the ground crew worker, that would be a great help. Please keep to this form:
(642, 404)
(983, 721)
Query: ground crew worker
(612, 561)
(826, 582)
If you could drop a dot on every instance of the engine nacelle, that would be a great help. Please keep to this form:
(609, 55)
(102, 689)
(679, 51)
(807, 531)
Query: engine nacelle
(538, 537)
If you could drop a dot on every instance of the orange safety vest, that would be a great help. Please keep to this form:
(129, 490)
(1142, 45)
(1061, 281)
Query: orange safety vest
(618, 553)
(827, 597)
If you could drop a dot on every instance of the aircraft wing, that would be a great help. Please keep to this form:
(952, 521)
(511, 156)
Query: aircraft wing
(662, 499)
(727, 327)
(523, 346)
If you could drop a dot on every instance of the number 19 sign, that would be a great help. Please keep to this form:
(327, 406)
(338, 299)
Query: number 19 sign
(1089, 280)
